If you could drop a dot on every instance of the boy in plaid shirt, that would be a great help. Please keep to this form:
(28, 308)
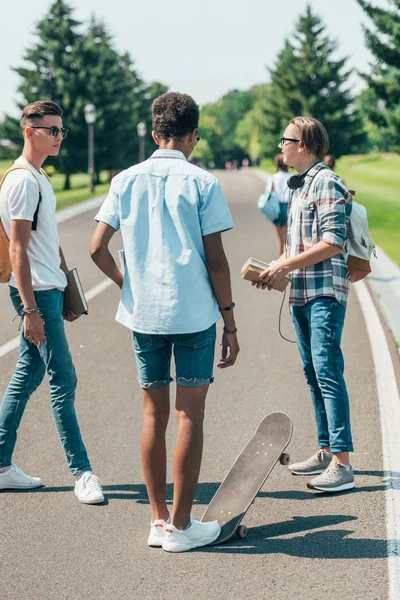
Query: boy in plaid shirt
(319, 212)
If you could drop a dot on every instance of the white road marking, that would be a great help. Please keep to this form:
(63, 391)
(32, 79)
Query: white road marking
(389, 405)
(92, 293)
(79, 209)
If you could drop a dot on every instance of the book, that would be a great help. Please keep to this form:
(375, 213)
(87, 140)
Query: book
(74, 297)
(252, 269)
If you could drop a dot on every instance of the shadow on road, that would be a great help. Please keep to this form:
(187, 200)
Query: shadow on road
(325, 544)
(206, 490)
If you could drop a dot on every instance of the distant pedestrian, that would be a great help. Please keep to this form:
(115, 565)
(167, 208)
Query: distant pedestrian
(281, 189)
(330, 161)
(28, 214)
(319, 212)
(176, 287)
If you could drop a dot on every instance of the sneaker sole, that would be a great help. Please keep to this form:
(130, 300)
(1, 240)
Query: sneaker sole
(318, 472)
(154, 544)
(21, 487)
(98, 501)
(340, 488)
(185, 548)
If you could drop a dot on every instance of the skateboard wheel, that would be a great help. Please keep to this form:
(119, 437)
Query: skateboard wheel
(284, 459)
(241, 531)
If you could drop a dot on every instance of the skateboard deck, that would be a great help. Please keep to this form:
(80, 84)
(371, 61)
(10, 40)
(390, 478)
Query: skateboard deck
(248, 474)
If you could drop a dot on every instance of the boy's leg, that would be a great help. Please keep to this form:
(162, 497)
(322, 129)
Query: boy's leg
(63, 381)
(153, 360)
(194, 358)
(189, 410)
(300, 318)
(156, 411)
(327, 320)
(28, 375)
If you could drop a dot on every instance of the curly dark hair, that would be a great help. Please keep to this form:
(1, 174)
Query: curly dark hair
(174, 115)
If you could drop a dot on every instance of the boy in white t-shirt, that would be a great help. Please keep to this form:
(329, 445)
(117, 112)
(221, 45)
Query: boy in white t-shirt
(37, 283)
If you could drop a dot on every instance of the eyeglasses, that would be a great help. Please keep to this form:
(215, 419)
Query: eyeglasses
(283, 140)
(54, 130)
(197, 138)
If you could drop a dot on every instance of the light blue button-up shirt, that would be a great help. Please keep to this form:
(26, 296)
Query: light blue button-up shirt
(164, 206)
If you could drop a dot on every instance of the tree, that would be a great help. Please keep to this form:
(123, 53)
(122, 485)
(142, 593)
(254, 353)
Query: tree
(383, 107)
(224, 116)
(306, 80)
(52, 73)
(109, 81)
(75, 69)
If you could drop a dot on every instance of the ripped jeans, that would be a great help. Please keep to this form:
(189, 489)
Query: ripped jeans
(193, 354)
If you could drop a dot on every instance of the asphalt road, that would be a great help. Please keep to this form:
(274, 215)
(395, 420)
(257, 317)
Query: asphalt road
(300, 544)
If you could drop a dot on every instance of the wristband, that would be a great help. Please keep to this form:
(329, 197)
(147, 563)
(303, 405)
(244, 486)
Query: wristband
(226, 330)
(30, 311)
(230, 307)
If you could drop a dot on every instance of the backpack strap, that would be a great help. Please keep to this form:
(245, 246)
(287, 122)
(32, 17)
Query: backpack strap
(24, 168)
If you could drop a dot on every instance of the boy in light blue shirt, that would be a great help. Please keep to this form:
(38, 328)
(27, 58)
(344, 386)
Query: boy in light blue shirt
(175, 287)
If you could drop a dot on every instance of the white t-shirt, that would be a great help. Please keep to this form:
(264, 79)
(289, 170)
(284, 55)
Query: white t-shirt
(280, 185)
(19, 198)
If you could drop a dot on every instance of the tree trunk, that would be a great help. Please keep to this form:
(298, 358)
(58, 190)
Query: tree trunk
(67, 182)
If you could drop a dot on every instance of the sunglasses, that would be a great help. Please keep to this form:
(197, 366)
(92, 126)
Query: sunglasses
(283, 140)
(54, 130)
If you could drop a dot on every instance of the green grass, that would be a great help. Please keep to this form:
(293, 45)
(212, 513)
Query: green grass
(79, 187)
(376, 180)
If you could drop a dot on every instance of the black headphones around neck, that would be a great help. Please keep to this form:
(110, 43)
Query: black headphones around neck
(295, 182)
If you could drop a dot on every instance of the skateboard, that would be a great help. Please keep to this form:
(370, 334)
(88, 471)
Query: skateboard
(248, 474)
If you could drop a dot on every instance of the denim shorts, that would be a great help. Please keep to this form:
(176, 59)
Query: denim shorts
(283, 215)
(193, 354)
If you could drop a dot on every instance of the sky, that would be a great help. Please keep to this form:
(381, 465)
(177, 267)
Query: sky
(203, 48)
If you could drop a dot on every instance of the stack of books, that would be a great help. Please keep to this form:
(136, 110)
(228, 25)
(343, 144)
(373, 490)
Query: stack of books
(251, 272)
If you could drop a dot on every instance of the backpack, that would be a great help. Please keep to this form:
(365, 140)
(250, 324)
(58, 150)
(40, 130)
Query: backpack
(268, 202)
(359, 246)
(5, 262)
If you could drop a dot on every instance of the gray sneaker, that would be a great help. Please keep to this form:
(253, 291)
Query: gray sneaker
(314, 465)
(336, 478)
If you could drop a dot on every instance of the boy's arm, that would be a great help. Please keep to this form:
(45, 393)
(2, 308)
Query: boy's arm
(102, 256)
(218, 271)
(63, 264)
(20, 233)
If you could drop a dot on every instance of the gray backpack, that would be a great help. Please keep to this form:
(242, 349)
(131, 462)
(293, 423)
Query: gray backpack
(359, 246)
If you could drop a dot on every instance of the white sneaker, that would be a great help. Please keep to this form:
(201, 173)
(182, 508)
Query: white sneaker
(197, 535)
(157, 532)
(88, 489)
(15, 479)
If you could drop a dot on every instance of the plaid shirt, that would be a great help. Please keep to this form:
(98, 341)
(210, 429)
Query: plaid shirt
(321, 213)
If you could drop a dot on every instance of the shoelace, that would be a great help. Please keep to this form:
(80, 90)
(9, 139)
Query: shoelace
(91, 483)
(16, 470)
(332, 470)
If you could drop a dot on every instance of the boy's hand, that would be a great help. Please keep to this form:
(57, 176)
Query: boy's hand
(70, 316)
(34, 329)
(276, 271)
(229, 340)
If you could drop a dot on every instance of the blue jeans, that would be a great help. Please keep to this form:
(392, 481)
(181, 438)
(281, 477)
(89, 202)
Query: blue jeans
(193, 354)
(33, 360)
(319, 325)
